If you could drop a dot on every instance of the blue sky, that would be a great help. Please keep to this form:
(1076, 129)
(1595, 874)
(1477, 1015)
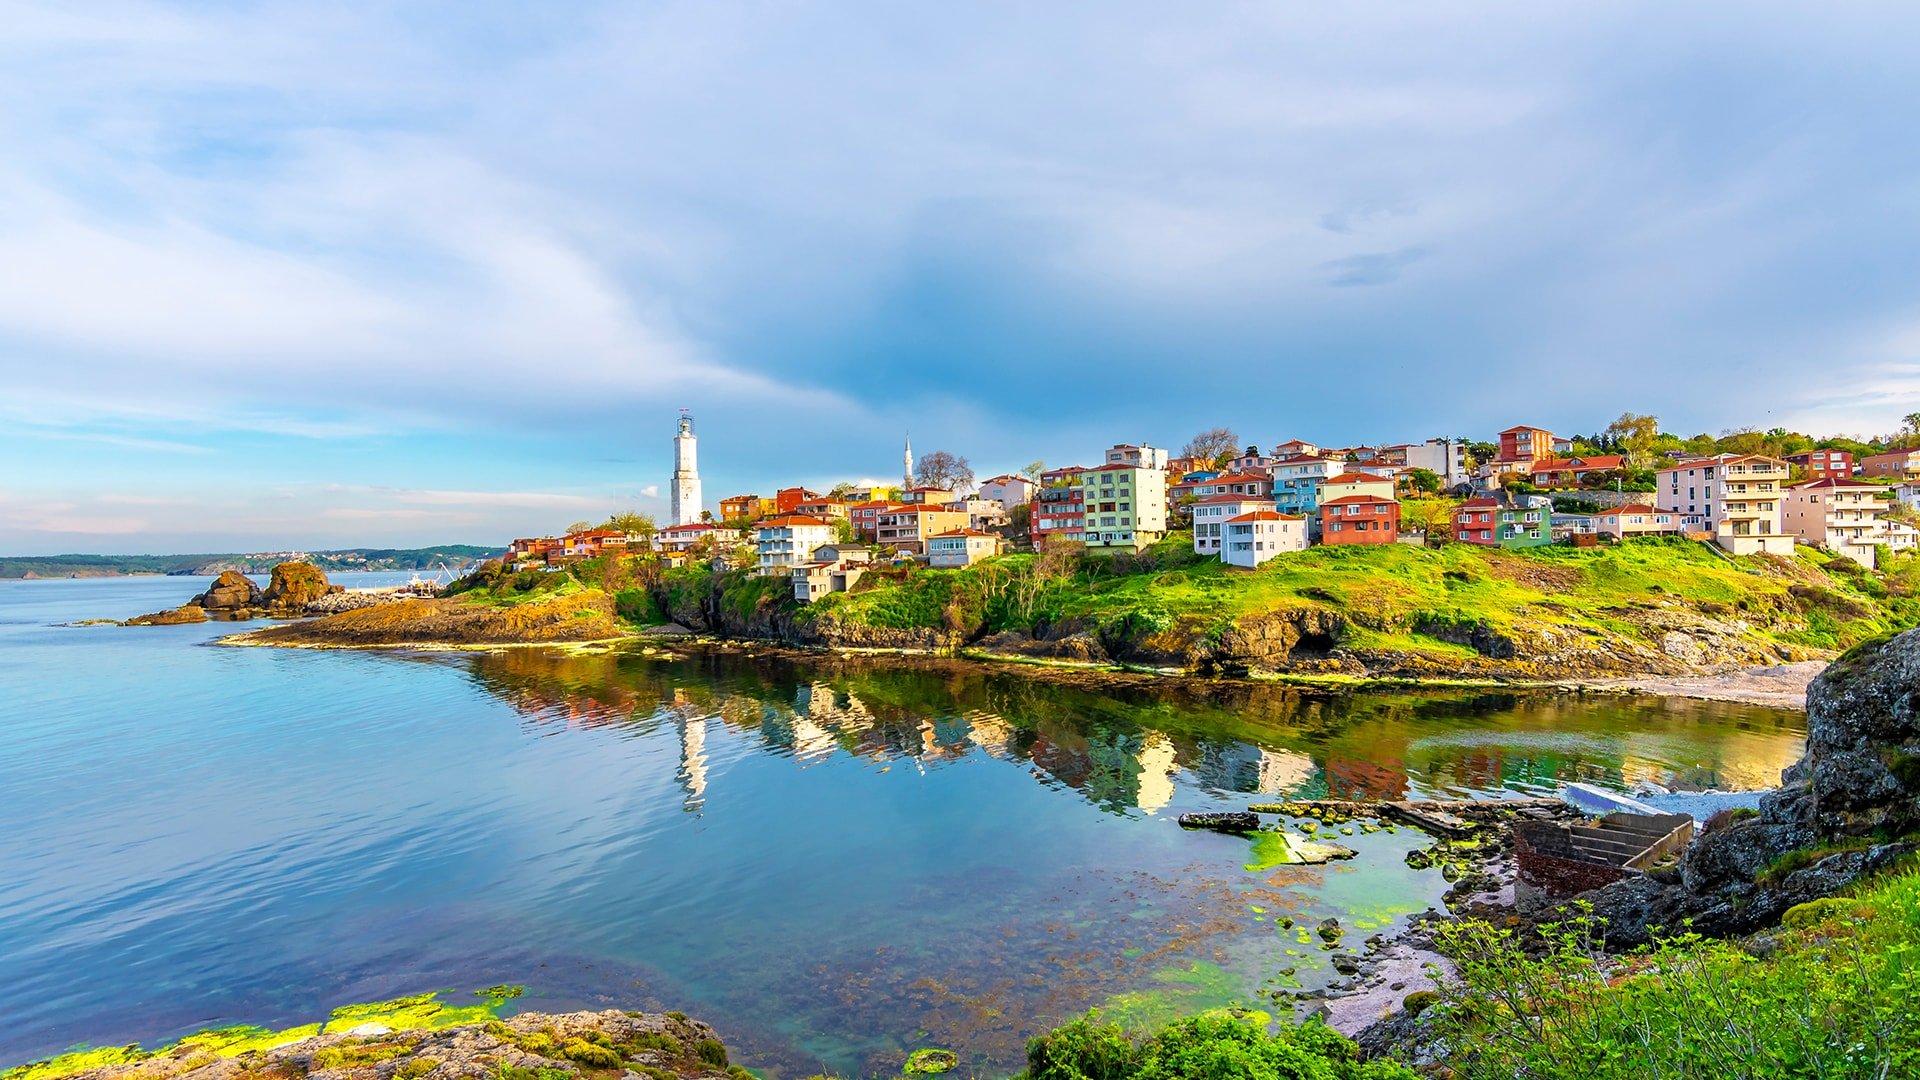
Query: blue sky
(296, 275)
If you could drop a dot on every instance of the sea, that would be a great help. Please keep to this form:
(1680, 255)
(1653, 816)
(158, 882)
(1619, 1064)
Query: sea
(834, 861)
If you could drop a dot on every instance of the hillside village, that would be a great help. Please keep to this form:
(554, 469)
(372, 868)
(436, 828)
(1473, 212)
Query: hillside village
(1525, 488)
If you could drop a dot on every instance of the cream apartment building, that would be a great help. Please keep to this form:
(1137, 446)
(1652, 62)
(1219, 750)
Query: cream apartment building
(1126, 505)
(1842, 516)
(1736, 497)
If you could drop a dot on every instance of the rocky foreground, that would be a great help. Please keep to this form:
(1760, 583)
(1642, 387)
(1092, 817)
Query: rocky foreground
(530, 1046)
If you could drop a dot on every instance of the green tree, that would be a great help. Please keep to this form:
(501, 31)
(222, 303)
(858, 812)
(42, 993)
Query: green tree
(1033, 470)
(633, 523)
(1424, 480)
(579, 527)
(1635, 434)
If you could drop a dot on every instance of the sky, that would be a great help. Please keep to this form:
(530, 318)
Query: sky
(300, 276)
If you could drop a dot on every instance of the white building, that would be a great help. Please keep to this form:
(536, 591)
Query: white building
(835, 568)
(1125, 505)
(1445, 457)
(1736, 497)
(1142, 456)
(686, 474)
(682, 537)
(1008, 491)
(786, 542)
(1210, 516)
(961, 547)
(1259, 535)
(1842, 516)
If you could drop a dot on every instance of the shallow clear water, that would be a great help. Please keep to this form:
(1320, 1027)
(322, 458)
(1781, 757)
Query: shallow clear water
(834, 862)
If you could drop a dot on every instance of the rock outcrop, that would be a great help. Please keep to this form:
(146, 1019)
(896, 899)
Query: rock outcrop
(1847, 809)
(630, 1046)
(294, 586)
(230, 592)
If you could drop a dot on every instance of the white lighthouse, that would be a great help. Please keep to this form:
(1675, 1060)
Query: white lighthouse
(686, 474)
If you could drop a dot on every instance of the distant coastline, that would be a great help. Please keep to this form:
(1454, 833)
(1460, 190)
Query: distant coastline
(25, 567)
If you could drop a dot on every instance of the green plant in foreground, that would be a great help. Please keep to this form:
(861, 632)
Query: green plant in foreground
(1832, 999)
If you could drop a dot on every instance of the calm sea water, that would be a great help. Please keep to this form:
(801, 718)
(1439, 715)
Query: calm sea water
(834, 862)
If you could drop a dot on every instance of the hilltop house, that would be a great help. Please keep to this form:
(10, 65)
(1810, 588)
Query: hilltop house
(1491, 522)
(1842, 516)
(1568, 472)
(1637, 519)
(961, 547)
(1445, 458)
(783, 543)
(1249, 460)
(1356, 483)
(1359, 519)
(746, 508)
(788, 500)
(865, 517)
(1525, 444)
(1296, 483)
(1008, 491)
(1059, 506)
(1258, 535)
(1903, 465)
(906, 528)
(1235, 483)
(682, 537)
(835, 568)
(1293, 448)
(1736, 497)
(1125, 505)
(1211, 514)
(831, 509)
(1824, 464)
(1142, 456)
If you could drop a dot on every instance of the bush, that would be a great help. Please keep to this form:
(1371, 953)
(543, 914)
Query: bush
(711, 1051)
(1212, 1046)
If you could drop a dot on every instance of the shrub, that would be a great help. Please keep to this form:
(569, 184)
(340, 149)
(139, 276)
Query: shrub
(1212, 1046)
(593, 1054)
(711, 1051)
(417, 1068)
(1085, 1049)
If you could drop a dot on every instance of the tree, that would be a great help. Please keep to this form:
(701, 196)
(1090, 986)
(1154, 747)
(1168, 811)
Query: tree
(844, 532)
(1020, 519)
(1635, 434)
(1479, 453)
(1424, 480)
(840, 491)
(943, 470)
(633, 523)
(579, 527)
(1212, 444)
(1034, 470)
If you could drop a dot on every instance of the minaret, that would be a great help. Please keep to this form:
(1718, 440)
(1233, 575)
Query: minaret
(686, 475)
(906, 463)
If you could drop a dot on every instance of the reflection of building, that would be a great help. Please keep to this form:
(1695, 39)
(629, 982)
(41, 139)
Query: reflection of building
(1283, 772)
(692, 774)
(1157, 766)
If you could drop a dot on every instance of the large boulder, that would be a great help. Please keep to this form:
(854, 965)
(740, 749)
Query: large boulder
(1862, 766)
(230, 591)
(186, 613)
(293, 586)
(1857, 785)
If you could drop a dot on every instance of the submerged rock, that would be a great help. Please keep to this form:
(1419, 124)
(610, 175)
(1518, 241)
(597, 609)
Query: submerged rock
(1235, 821)
(185, 613)
(583, 1043)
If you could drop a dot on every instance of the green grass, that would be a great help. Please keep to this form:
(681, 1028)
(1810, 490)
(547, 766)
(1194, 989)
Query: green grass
(1831, 997)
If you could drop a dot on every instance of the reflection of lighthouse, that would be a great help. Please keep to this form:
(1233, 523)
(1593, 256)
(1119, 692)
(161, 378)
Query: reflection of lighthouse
(686, 474)
(692, 774)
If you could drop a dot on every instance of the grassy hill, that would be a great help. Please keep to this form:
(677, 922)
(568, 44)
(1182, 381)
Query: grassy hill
(1646, 606)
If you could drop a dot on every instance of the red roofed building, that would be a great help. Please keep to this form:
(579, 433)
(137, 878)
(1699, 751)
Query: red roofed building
(1567, 472)
(1525, 444)
(783, 543)
(1059, 506)
(1824, 464)
(866, 517)
(788, 500)
(1359, 519)
(682, 537)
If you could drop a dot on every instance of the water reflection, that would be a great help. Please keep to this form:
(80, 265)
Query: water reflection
(1123, 745)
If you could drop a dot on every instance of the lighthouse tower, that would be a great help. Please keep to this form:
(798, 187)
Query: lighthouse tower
(686, 474)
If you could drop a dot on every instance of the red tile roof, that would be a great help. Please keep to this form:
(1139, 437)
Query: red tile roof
(1831, 482)
(791, 521)
(1264, 515)
(1586, 464)
(1358, 478)
(1480, 504)
(1358, 499)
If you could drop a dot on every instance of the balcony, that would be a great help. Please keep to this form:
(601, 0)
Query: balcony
(1756, 470)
